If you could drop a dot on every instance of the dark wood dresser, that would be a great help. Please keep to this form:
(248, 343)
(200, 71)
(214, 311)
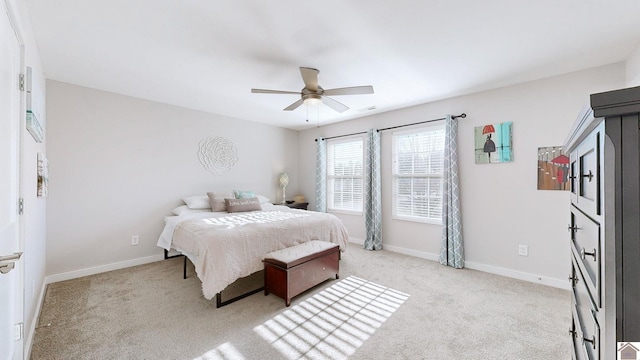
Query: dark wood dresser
(604, 151)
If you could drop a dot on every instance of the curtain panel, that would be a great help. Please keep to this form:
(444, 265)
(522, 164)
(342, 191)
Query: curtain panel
(321, 175)
(451, 252)
(372, 192)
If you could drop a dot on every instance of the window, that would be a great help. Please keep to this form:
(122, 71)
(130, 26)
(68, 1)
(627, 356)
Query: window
(418, 161)
(345, 174)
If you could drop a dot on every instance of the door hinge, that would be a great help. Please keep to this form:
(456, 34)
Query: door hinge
(20, 206)
(21, 82)
(19, 331)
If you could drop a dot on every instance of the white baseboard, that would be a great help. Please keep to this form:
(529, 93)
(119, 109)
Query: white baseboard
(34, 321)
(538, 279)
(356, 241)
(102, 268)
(420, 254)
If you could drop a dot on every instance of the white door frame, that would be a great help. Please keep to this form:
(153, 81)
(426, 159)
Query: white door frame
(9, 10)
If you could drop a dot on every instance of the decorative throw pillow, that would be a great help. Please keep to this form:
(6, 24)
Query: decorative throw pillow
(216, 200)
(243, 194)
(197, 202)
(241, 205)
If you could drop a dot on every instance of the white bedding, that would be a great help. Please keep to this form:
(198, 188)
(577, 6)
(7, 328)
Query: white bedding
(227, 246)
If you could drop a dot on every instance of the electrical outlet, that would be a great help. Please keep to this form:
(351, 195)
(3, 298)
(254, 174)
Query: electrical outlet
(135, 240)
(523, 250)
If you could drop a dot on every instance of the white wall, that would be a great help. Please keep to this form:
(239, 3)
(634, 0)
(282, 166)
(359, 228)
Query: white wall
(119, 164)
(633, 68)
(501, 206)
(33, 221)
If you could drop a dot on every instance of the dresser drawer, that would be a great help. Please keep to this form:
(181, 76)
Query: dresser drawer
(578, 351)
(585, 174)
(587, 250)
(587, 330)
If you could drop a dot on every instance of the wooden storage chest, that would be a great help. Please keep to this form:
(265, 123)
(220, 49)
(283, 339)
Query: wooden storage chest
(294, 270)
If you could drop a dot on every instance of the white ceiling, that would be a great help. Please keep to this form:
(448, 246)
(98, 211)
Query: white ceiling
(208, 54)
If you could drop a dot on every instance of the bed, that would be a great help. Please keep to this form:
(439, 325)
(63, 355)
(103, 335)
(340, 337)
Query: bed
(225, 247)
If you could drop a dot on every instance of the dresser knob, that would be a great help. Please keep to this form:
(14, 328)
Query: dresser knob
(573, 280)
(589, 175)
(592, 341)
(584, 254)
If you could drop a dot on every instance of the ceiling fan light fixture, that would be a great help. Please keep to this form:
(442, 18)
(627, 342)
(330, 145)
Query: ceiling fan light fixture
(313, 100)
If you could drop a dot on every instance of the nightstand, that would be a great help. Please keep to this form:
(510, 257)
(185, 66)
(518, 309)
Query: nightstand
(302, 206)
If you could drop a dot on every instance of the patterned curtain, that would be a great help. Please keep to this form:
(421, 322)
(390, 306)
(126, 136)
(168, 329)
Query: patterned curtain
(451, 252)
(321, 175)
(372, 192)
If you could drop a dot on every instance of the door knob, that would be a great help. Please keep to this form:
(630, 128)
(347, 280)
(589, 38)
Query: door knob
(8, 262)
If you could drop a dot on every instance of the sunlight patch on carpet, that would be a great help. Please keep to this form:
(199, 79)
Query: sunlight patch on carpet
(334, 323)
(225, 351)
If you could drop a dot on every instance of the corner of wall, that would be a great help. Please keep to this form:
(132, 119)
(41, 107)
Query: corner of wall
(632, 68)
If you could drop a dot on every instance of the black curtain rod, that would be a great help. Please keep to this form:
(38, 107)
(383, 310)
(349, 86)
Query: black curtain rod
(463, 115)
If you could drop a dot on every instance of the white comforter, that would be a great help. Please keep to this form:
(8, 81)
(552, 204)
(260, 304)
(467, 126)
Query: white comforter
(226, 247)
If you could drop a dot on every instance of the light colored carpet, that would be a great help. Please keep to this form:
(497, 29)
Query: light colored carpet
(385, 306)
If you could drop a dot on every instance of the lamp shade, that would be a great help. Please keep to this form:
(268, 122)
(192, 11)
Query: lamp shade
(284, 180)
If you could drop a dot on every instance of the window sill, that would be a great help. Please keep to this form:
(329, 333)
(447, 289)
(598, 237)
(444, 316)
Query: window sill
(346, 212)
(417, 220)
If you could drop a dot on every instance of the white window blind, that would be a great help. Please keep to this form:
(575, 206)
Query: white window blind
(345, 159)
(418, 161)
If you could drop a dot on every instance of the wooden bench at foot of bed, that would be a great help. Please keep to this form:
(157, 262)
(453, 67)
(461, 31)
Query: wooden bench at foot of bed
(296, 269)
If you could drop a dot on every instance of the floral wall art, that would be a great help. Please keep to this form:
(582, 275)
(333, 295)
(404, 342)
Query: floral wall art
(217, 154)
(493, 143)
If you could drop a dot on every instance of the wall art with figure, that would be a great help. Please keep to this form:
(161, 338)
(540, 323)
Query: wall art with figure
(493, 143)
(43, 175)
(553, 168)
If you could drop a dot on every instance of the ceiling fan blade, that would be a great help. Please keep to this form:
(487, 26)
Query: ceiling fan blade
(294, 105)
(335, 105)
(310, 78)
(265, 91)
(353, 90)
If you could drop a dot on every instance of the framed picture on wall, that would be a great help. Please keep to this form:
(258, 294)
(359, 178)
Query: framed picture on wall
(493, 143)
(553, 168)
(43, 176)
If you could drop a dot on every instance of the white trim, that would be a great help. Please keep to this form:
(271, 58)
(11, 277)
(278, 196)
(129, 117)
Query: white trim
(538, 279)
(356, 241)
(102, 268)
(28, 341)
(514, 274)
(410, 252)
(346, 212)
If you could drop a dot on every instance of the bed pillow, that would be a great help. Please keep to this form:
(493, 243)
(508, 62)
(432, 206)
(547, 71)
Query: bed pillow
(243, 194)
(184, 210)
(216, 200)
(197, 202)
(242, 205)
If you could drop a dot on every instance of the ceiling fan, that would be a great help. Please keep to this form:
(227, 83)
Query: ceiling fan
(314, 94)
